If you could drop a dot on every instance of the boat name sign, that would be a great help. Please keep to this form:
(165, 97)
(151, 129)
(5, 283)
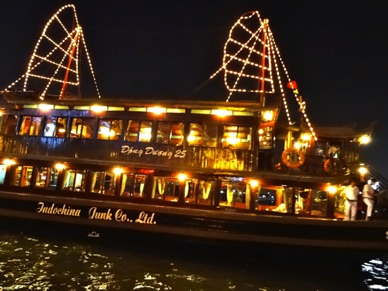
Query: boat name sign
(151, 151)
(95, 213)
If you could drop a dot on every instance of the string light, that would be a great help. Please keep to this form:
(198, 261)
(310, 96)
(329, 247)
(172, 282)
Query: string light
(254, 40)
(255, 46)
(69, 47)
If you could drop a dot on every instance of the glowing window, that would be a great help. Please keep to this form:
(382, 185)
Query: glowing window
(103, 182)
(170, 133)
(8, 124)
(133, 185)
(55, 126)
(237, 137)
(110, 129)
(74, 180)
(138, 131)
(22, 176)
(30, 125)
(82, 127)
(47, 178)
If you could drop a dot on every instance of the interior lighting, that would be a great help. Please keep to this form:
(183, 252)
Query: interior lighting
(331, 189)
(45, 107)
(297, 145)
(182, 177)
(362, 170)
(98, 108)
(118, 171)
(267, 115)
(254, 183)
(305, 136)
(364, 139)
(59, 166)
(232, 140)
(9, 162)
(145, 134)
(221, 112)
(156, 110)
(106, 131)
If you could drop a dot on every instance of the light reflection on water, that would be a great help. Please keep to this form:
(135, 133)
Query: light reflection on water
(32, 263)
(376, 274)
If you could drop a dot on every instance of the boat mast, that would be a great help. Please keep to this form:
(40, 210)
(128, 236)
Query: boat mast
(71, 55)
(263, 54)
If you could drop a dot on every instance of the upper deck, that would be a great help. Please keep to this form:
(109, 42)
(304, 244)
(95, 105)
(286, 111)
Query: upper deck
(204, 136)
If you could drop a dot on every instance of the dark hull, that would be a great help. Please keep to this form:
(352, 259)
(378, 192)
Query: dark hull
(99, 218)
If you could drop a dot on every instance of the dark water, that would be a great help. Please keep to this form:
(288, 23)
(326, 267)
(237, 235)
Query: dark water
(50, 262)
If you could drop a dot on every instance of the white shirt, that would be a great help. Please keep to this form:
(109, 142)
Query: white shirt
(367, 191)
(351, 192)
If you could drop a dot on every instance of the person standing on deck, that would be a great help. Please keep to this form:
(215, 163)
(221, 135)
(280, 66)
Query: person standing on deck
(368, 198)
(351, 193)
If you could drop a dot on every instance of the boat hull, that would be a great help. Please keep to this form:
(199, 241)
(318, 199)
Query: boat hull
(98, 217)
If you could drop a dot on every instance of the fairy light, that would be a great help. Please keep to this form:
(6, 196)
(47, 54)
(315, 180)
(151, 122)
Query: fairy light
(43, 35)
(90, 65)
(252, 47)
(272, 64)
(51, 79)
(46, 58)
(72, 40)
(278, 75)
(302, 104)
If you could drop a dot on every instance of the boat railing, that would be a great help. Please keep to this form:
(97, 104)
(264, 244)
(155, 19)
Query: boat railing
(313, 165)
(151, 154)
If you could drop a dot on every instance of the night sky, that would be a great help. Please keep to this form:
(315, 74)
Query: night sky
(335, 50)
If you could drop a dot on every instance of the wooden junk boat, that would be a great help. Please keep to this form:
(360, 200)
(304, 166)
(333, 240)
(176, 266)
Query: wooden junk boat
(225, 171)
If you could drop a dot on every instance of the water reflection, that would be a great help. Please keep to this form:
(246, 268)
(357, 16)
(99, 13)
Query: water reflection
(376, 274)
(37, 263)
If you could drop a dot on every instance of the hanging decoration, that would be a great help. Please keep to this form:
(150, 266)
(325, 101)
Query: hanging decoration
(54, 64)
(252, 64)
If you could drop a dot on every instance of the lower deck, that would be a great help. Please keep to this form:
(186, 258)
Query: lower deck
(191, 190)
(214, 206)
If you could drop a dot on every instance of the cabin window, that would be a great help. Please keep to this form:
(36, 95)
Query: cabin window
(166, 188)
(237, 137)
(74, 180)
(132, 185)
(195, 137)
(170, 133)
(55, 127)
(190, 190)
(8, 124)
(269, 198)
(110, 129)
(206, 192)
(198, 191)
(3, 170)
(287, 200)
(82, 127)
(203, 135)
(47, 178)
(318, 202)
(103, 182)
(265, 137)
(22, 176)
(139, 131)
(235, 193)
(30, 125)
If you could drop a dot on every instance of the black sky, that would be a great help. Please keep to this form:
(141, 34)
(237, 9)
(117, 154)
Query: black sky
(335, 50)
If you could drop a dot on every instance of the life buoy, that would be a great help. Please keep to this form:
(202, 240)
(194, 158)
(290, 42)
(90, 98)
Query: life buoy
(292, 158)
(326, 166)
